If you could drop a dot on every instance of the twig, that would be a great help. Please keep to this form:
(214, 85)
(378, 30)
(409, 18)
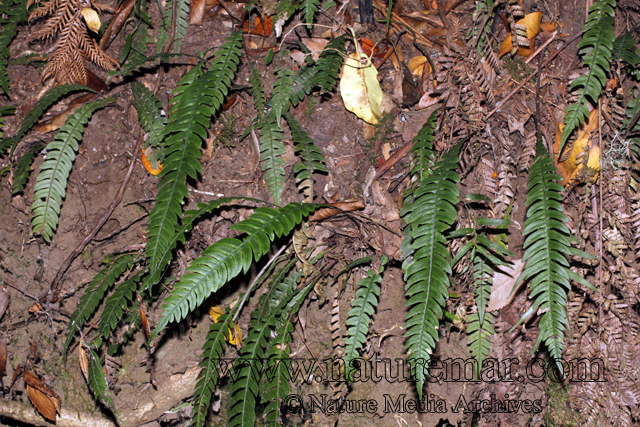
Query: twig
(257, 279)
(54, 290)
(540, 49)
(115, 233)
(526, 80)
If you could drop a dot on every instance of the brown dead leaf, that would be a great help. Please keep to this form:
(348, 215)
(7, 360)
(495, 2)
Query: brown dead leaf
(46, 401)
(316, 45)
(581, 152)
(84, 361)
(532, 22)
(3, 359)
(4, 302)
(196, 12)
(117, 22)
(260, 28)
(503, 285)
(325, 213)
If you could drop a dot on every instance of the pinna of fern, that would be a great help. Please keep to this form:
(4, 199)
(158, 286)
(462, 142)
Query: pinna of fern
(547, 244)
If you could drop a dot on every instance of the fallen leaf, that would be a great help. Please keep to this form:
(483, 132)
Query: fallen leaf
(84, 361)
(4, 302)
(416, 65)
(532, 22)
(259, 28)
(501, 294)
(215, 311)
(360, 89)
(3, 359)
(91, 18)
(316, 45)
(152, 166)
(46, 401)
(325, 213)
(574, 155)
(116, 23)
(196, 12)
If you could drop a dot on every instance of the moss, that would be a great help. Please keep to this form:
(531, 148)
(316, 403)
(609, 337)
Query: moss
(559, 411)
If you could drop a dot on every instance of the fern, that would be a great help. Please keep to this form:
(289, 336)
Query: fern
(115, 306)
(209, 360)
(546, 245)
(97, 381)
(625, 50)
(309, 8)
(312, 158)
(359, 317)
(271, 150)
(281, 93)
(276, 388)
(329, 63)
(428, 211)
(226, 258)
(257, 90)
(23, 168)
(12, 13)
(32, 117)
(596, 46)
(182, 22)
(54, 171)
(200, 96)
(150, 114)
(303, 82)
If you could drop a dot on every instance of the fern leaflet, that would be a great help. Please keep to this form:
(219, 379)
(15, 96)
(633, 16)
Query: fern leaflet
(625, 50)
(94, 294)
(182, 22)
(97, 381)
(359, 317)
(281, 93)
(312, 158)
(257, 90)
(428, 211)
(596, 46)
(23, 168)
(200, 96)
(309, 8)
(547, 242)
(116, 305)
(271, 150)
(51, 187)
(329, 63)
(303, 82)
(226, 258)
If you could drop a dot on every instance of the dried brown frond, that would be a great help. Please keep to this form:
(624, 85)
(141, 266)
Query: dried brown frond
(74, 44)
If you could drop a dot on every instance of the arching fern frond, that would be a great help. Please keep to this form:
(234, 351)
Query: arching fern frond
(23, 168)
(182, 22)
(150, 114)
(200, 96)
(12, 13)
(359, 317)
(546, 245)
(116, 305)
(257, 91)
(312, 159)
(303, 81)
(309, 8)
(329, 63)
(51, 187)
(281, 93)
(36, 112)
(271, 150)
(428, 211)
(97, 381)
(226, 258)
(276, 388)
(596, 46)
(94, 293)
(625, 50)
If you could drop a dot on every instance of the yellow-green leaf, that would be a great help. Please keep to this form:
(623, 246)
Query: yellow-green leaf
(360, 89)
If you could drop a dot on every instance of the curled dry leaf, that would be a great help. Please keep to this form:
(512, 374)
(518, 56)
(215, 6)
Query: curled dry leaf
(117, 22)
(416, 65)
(91, 18)
(4, 302)
(532, 22)
(325, 213)
(216, 311)
(574, 157)
(46, 401)
(152, 166)
(84, 361)
(501, 294)
(360, 89)
(259, 28)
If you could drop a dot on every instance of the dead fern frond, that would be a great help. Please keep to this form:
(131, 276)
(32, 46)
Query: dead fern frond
(75, 44)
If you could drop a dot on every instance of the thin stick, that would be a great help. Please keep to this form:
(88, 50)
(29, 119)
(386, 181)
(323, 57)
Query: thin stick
(54, 290)
(525, 81)
(257, 279)
(541, 48)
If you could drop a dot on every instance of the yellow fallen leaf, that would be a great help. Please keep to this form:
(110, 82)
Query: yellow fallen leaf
(532, 22)
(215, 311)
(360, 89)
(416, 65)
(572, 166)
(91, 18)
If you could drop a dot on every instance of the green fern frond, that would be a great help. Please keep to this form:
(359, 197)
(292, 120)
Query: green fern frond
(329, 63)
(94, 293)
(596, 46)
(633, 134)
(271, 150)
(23, 168)
(309, 8)
(199, 97)
(51, 187)
(276, 387)
(282, 93)
(625, 50)
(36, 112)
(226, 258)
(359, 317)
(182, 22)
(312, 159)
(12, 13)
(150, 114)
(428, 211)
(257, 90)
(546, 245)
(209, 359)
(131, 325)
(97, 381)
(116, 305)
(303, 81)
(286, 9)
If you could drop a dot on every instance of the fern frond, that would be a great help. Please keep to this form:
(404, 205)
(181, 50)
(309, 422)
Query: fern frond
(257, 91)
(23, 168)
(596, 46)
(271, 150)
(282, 93)
(329, 63)
(12, 13)
(312, 158)
(209, 360)
(45, 102)
(226, 258)
(150, 114)
(94, 293)
(546, 245)
(359, 317)
(200, 96)
(276, 388)
(182, 22)
(428, 211)
(116, 305)
(303, 81)
(97, 381)
(625, 50)
(309, 8)
(51, 187)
